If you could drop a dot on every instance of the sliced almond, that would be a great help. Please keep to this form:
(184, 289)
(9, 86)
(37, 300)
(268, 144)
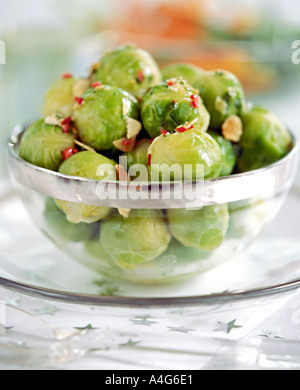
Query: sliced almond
(134, 127)
(232, 129)
(54, 119)
(81, 86)
(124, 212)
(125, 145)
(122, 174)
(84, 146)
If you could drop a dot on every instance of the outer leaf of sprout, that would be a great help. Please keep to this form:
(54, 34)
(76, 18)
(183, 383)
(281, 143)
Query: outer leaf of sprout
(43, 144)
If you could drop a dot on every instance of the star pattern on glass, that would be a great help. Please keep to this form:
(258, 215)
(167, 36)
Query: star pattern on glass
(130, 343)
(14, 302)
(87, 327)
(180, 329)
(270, 335)
(142, 320)
(47, 310)
(226, 327)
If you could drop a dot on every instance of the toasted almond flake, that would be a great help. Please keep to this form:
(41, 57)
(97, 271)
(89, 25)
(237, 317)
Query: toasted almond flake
(122, 174)
(232, 129)
(221, 105)
(126, 106)
(125, 212)
(125, 145)
(55, 120)
(81, 86)
(84, 146)
(133, 127)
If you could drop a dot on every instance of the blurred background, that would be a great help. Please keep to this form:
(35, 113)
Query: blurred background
(45, 38)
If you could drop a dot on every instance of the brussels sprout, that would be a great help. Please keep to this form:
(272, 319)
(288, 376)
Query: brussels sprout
(88, 165)
(129, 68)
(103, 115)
(265, 139)
(247, 217)
(204, 228)
(61, 229)
(223, 96)
(188, 149)
(140, 153)
(228, 151)
(43, 145)
(60, 98)
(136, 240)
(189, 72)
(171, 104)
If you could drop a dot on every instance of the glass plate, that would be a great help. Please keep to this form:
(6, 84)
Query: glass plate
(30, 264)
(54, 313)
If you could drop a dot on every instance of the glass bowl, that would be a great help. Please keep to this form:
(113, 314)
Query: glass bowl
(157, 242)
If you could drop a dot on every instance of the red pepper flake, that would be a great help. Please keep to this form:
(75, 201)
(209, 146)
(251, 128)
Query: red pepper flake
(195, 101)
(140, 76)
(69, 153)
(127, 142)
(78, 100)
(67, 76)
(149, 159)
(181, 129)
(171, 82)
(97, 84)
(66, 123)
(164, 132)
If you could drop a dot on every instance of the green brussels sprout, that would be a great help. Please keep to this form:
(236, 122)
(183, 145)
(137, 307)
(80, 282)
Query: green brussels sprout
(223, 96)
(60, 98)
(185, 150)
(247, 217)
(171, 104)
(228, 151)
(139, 155)
(189, 72)
(204, 228)
(61, 229)
(136, 240)
(43, 145)
(87, 165)
(103, 116)
(265, 139)
(130, 68)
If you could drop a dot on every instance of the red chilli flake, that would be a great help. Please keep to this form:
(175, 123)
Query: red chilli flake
(149, 159)
(97, 84)
(181, 129)
(196, 102)
(69, 153)
(127, 142)
(67, 76)
(66, 123)
(78, 100)
(140, 76)
(171, 82)
(164, 132)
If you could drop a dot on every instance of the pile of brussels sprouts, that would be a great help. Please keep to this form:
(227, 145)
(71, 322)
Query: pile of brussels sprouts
(127, 106)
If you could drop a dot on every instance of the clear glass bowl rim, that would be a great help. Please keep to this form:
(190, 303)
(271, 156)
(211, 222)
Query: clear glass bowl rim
(221, 190)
